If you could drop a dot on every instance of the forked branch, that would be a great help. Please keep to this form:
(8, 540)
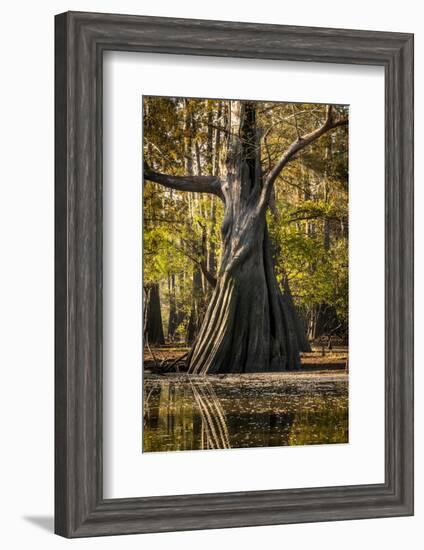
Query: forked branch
(302, 142)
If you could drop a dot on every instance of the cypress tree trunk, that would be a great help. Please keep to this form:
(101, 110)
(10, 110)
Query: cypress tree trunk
(297, 320)
(248, 326)
(197, 307)
(173, 315)
(153, 328)
(324, 321)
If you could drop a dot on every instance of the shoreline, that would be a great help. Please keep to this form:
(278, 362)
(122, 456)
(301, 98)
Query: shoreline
(304, 374)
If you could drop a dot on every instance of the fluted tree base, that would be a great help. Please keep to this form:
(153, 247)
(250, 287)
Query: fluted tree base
(248, 327)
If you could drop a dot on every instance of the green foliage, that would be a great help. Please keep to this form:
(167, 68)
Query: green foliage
(308, 218)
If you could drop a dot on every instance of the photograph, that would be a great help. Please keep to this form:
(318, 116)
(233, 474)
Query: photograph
(245, 273)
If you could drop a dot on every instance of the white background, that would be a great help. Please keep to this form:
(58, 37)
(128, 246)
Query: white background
(26, 301)
(127, 470)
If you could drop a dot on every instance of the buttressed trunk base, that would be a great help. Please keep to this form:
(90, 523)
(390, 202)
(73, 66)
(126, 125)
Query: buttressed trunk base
(247, 327)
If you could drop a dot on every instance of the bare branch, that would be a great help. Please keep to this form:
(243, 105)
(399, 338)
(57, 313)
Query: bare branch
(210, 277)
(295, 121)
(195, 184)
(193, 255)
(297, 146)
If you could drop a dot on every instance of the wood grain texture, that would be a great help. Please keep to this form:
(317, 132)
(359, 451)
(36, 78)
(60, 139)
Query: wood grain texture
(80, 509)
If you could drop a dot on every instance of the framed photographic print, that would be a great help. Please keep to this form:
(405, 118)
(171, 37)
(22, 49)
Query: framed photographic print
(234, 274)
(233, 330)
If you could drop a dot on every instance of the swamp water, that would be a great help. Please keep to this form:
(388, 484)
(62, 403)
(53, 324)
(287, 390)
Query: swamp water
(187, 413)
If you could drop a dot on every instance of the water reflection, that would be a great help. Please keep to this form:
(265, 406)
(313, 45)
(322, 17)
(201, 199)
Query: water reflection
(186, 413)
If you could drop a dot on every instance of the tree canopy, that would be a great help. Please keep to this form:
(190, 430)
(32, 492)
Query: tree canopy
(304, 181)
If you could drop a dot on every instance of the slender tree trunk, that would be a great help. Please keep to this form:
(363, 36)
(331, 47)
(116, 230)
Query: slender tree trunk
(173, 316)
(212, 262)
(153, 328)
(212, 246)
(326, 228)
(297, 320)
(197, 306)
(324, 319)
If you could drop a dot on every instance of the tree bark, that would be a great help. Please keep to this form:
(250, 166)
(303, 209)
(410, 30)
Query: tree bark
(153, 328)
(173, 315)
(324, 322)
(197, 306)
(247, 326)
(297, 319)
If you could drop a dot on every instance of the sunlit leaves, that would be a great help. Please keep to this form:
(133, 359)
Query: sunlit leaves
(308, 224)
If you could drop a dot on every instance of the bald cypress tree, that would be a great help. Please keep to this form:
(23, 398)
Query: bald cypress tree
(249, 326)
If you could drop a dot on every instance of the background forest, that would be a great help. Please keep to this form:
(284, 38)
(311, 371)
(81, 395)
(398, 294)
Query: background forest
(307, 216)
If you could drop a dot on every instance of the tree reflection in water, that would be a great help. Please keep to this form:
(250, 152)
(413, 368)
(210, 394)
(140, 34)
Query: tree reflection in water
(189, 413)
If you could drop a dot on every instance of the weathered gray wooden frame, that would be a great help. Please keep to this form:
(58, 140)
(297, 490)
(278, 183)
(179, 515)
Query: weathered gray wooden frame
(81, 39)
